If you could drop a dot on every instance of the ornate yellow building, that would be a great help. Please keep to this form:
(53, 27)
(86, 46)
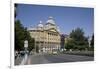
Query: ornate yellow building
(47, 36)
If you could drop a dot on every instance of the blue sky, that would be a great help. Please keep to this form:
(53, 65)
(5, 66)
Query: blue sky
(67, 18)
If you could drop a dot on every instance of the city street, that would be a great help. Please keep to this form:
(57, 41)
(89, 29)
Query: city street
(52, 38)
(50, 58)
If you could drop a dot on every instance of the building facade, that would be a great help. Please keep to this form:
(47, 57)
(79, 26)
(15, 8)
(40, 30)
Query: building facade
(64, 39)
(47, 36)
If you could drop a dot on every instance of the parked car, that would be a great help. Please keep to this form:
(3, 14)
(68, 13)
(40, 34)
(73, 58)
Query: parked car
(54, 51)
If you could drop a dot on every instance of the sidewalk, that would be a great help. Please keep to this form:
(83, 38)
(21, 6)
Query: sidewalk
(18, 60)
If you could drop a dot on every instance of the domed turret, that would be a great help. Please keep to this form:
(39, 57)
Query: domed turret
(40, 25)
(50, 20)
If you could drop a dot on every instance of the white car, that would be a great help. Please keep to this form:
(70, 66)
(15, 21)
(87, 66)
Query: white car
(54, 52)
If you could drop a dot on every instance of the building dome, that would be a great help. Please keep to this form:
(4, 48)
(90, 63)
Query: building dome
(40, 24)
(50, 20)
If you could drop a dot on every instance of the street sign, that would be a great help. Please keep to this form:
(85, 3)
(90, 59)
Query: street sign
(26, 43)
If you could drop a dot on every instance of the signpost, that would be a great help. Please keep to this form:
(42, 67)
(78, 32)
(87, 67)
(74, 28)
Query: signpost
(26, 55)
(26, 45)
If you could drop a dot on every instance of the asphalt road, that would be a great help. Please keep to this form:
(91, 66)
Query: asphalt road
(60, 58)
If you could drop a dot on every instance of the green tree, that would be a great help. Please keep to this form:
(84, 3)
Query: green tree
(92, 42)
(77, 34)
(31, 44)
(70, 44)
(21, 34)
(78, 40)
